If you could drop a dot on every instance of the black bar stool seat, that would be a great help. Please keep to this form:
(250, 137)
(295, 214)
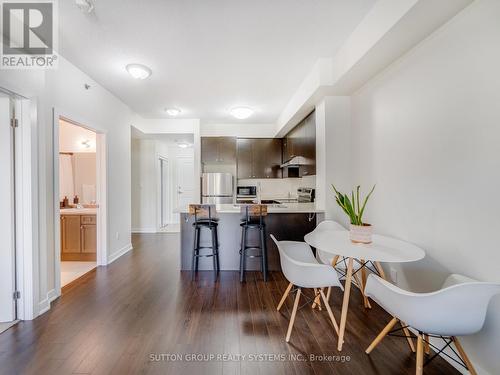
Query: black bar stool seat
(204, 218)
(253, 220)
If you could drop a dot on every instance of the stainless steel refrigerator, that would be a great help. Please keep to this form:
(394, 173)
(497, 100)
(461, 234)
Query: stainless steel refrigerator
(217, 188)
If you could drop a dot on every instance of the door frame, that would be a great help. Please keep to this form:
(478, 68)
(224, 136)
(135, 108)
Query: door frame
(159, 192)
(175, 195)
(101, 189)
(26, 204)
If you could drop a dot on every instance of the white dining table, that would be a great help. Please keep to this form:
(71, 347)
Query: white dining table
(382, 249)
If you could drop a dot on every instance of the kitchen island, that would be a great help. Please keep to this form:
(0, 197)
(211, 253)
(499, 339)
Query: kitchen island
(287, 221)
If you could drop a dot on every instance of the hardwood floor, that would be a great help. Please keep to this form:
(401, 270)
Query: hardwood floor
(140, 315)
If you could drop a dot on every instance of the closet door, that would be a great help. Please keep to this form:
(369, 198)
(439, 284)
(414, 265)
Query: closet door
(7, 249)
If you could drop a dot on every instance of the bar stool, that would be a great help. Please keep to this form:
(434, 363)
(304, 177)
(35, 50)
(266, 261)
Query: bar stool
(205, 216)
(253, 219)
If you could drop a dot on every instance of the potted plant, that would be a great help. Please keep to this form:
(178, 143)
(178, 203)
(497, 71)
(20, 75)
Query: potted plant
(360, 232)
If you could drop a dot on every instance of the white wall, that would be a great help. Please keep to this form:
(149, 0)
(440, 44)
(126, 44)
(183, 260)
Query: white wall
(63, 88)
(145, 181)
(72, 136)
(144, 185)
(333, 154)
(427, 131)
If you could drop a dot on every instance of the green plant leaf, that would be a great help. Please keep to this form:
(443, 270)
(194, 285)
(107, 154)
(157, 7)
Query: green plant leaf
(364, 204)
(357, 200)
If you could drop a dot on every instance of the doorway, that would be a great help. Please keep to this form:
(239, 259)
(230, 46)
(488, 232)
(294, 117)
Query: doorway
(185, 181)
(8, 269)
(79, 191)
(164, 194)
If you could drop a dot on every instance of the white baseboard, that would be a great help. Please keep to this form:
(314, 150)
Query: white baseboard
(44, 305)
(144, 230)
(125, 249)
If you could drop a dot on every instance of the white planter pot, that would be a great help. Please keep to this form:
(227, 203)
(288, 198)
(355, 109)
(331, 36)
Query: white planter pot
(361, 233)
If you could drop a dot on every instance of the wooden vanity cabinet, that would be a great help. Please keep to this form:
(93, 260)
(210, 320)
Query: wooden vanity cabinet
(78, 237)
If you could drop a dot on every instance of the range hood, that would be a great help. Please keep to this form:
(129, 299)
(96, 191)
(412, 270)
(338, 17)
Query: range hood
(296, 161)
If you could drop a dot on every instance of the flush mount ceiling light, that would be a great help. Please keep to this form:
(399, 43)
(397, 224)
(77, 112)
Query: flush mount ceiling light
(241, 113)
(86, 6)
(183, 144)
(138, 71)
(173, 111)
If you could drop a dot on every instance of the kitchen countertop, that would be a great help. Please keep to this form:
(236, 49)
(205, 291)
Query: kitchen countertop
(78, 211)
(272, 209)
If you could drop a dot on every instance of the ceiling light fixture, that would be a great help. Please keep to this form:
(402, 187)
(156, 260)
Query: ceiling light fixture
(241, 113)
(183, 144)
(173, 111)
(138, 71)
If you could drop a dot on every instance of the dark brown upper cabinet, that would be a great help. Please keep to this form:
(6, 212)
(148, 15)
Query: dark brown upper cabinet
(259, 157)
(301, 141)
(218, 150)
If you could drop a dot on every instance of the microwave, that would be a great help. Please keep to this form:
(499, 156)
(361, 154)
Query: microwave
(246, 191)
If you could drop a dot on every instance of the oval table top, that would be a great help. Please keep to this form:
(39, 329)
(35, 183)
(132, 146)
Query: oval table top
(382, 249)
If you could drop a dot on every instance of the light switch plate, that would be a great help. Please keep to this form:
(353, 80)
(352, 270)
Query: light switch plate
(394, 275)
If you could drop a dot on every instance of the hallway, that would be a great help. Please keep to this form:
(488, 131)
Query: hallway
(140, 315)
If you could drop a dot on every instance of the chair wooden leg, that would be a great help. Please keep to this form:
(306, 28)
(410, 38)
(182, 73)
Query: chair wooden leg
(363, 283)
(406, 331)
(328, 292)
(380, 270)
(427, 347)
(345, 305)
(294, 313)
(317, 300)
(381, 335)
(283, 299)
(361, 288)
(330, 313)
(464, 356)
(334, 260)
(420, 355)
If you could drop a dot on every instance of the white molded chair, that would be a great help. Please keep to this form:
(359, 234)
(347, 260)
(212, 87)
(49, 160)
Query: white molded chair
(301, 269)
(328, 225)
(458, 309)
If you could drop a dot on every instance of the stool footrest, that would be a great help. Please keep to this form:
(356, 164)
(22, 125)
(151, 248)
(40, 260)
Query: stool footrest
(204, 255)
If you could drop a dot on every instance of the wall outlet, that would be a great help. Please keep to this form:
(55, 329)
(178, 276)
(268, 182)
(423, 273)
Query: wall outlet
(117, 235)
(394, 275)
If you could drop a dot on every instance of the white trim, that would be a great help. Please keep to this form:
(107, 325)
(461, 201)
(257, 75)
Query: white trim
(159, 159)
(144, 230)
(101, 196)
(124, 250)
(44, 305)
(101, 182)
(27, 209)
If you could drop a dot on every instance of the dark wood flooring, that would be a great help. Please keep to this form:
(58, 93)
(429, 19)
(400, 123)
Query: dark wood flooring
(140, 315)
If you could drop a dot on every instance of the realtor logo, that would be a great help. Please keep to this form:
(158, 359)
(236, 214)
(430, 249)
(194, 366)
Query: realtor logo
(28, 34)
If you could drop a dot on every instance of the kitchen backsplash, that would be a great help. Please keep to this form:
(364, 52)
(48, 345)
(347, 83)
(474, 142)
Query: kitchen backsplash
(273, 188)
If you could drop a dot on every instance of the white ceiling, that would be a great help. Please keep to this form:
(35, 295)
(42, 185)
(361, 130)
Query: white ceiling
(206, 56)
(171, 139)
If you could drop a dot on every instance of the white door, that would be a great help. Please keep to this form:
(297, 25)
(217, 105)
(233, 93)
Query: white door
(185, 181)
(7, 255)
(164, 211)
